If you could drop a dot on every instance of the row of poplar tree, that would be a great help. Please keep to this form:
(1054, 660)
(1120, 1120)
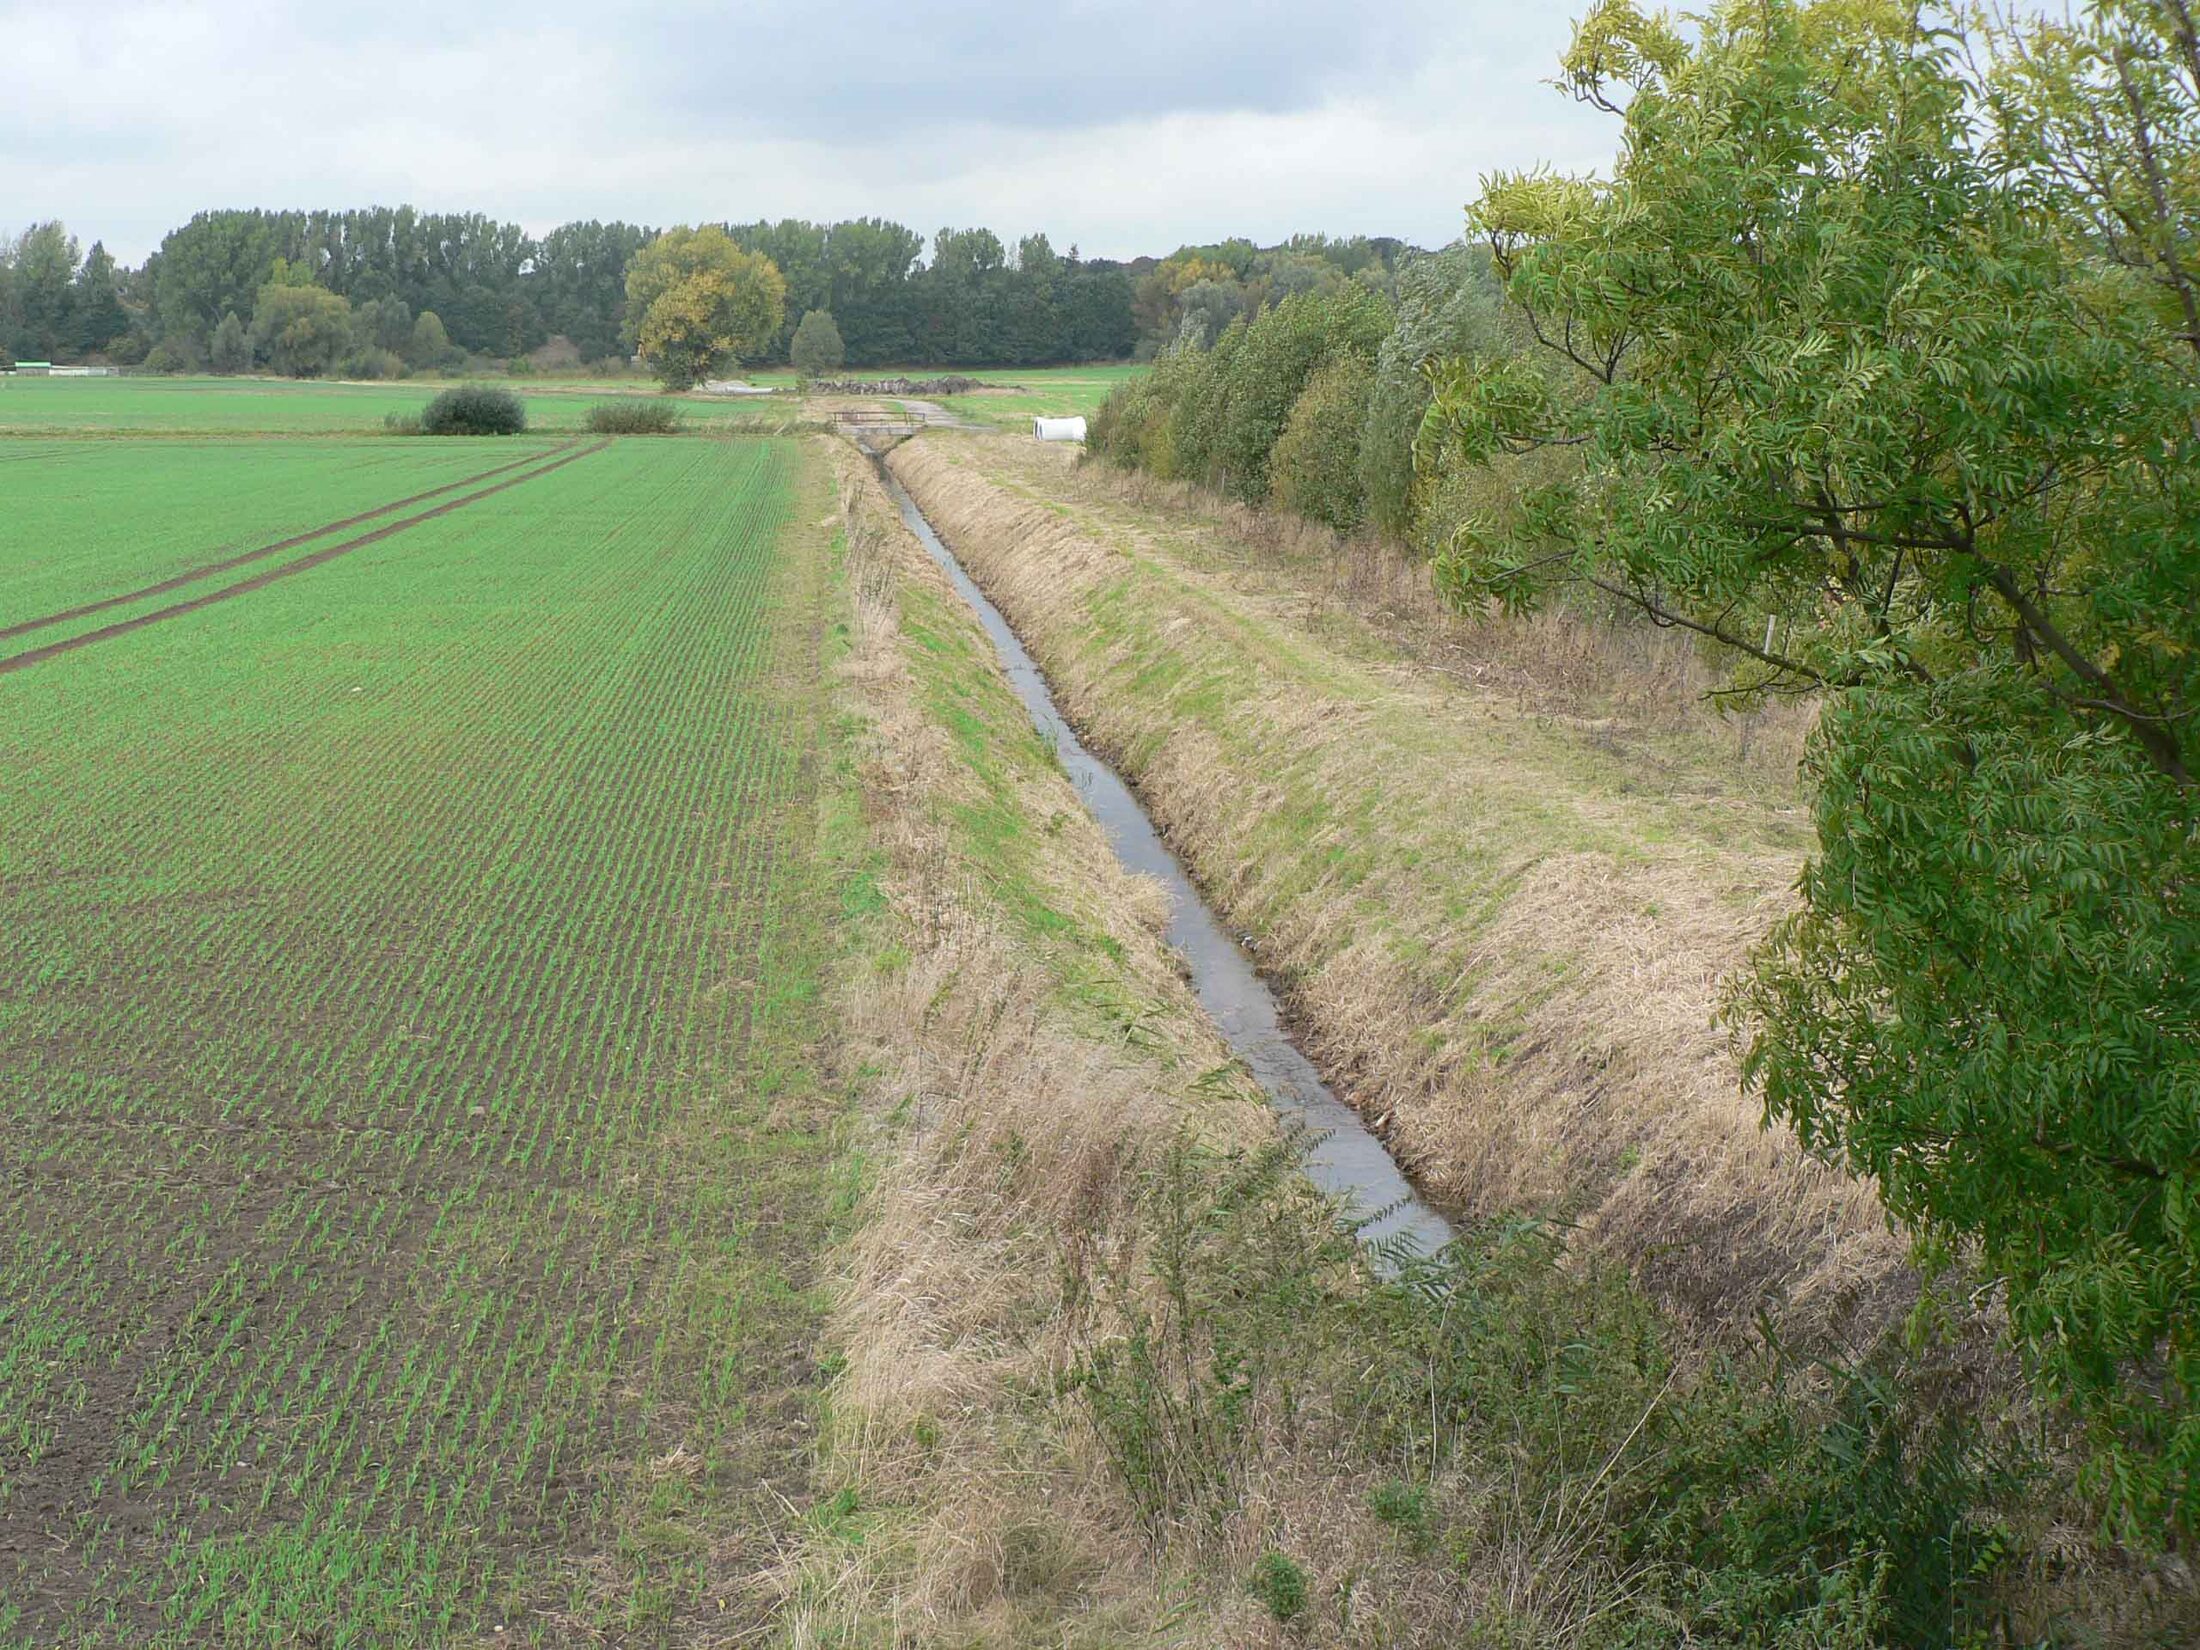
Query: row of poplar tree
(966, 298)
(498, 292)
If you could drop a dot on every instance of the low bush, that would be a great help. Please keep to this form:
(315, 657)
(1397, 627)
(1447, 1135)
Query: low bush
(371, 362)
(474, 409)
(635, 415)
(401, 423)
(174, 355)
(1404, 1507)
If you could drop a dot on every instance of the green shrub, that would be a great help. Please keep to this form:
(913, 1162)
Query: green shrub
(1170, 1397)
(1135, 427)
(474, 409)
(817, 348)
(401, 423)
(1736, 1503)
(176, 354)
(1315, 467)
(1222, 415)
(230, 351)
(1214, 416)
(431, 345)
(300, 331)
(635, 415)
(1118, 426)
(371, 362)
(1199, 392)
(1280, 1585)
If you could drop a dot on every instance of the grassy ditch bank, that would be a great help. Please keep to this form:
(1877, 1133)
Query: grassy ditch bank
(1105, 1373)
(1502, 930)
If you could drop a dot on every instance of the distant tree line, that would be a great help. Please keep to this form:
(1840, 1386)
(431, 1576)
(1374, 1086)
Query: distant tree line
(973, 303)
(493, 292)
(54, 301)
(1191, 297)
(1299, 384)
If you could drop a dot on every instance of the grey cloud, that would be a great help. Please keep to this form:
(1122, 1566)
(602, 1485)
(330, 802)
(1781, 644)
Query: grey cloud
(1125, 127)
(829, 69)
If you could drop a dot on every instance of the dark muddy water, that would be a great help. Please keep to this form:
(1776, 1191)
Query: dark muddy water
(1343, 1157)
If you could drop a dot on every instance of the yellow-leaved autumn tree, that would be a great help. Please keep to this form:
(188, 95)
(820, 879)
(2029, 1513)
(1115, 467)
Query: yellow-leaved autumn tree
(696, 303)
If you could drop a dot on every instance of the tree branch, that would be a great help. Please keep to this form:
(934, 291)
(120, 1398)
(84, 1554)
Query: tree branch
(2152, 731)
(1665, 617)
(2142, 132)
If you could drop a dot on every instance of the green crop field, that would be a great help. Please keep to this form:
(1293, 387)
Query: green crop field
(281, 406)
(79, 511)
(410, 1152)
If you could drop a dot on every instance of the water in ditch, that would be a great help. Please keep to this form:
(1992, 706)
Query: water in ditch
(1343, 1156)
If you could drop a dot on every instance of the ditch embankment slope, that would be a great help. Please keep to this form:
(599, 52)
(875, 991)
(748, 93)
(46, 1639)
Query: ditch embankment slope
(1103, 1371)
(1039, 1085)
(1501, 925)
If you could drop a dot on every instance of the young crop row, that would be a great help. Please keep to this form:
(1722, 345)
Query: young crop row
(397, 1177)
(89, 519)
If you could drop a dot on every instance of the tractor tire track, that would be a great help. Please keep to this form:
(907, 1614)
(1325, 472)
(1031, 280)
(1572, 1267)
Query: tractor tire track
(192, 575)
(38, 655)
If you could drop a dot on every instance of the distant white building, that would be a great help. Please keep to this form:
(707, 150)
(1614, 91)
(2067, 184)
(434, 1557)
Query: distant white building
(1058, 429)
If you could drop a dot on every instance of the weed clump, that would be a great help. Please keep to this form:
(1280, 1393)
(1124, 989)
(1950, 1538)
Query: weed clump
(635, 415)
(1280, 1585)
(474, 409)
(1404, 1507)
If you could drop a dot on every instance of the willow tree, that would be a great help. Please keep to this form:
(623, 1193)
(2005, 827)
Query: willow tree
(1897, 407)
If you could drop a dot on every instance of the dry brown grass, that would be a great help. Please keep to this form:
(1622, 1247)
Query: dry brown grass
(1502, 927)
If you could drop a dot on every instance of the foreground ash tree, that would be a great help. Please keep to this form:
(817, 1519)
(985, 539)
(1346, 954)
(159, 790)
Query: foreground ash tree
(1899, 406)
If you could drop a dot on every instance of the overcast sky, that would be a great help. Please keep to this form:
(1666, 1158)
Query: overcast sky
(1123, 127)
